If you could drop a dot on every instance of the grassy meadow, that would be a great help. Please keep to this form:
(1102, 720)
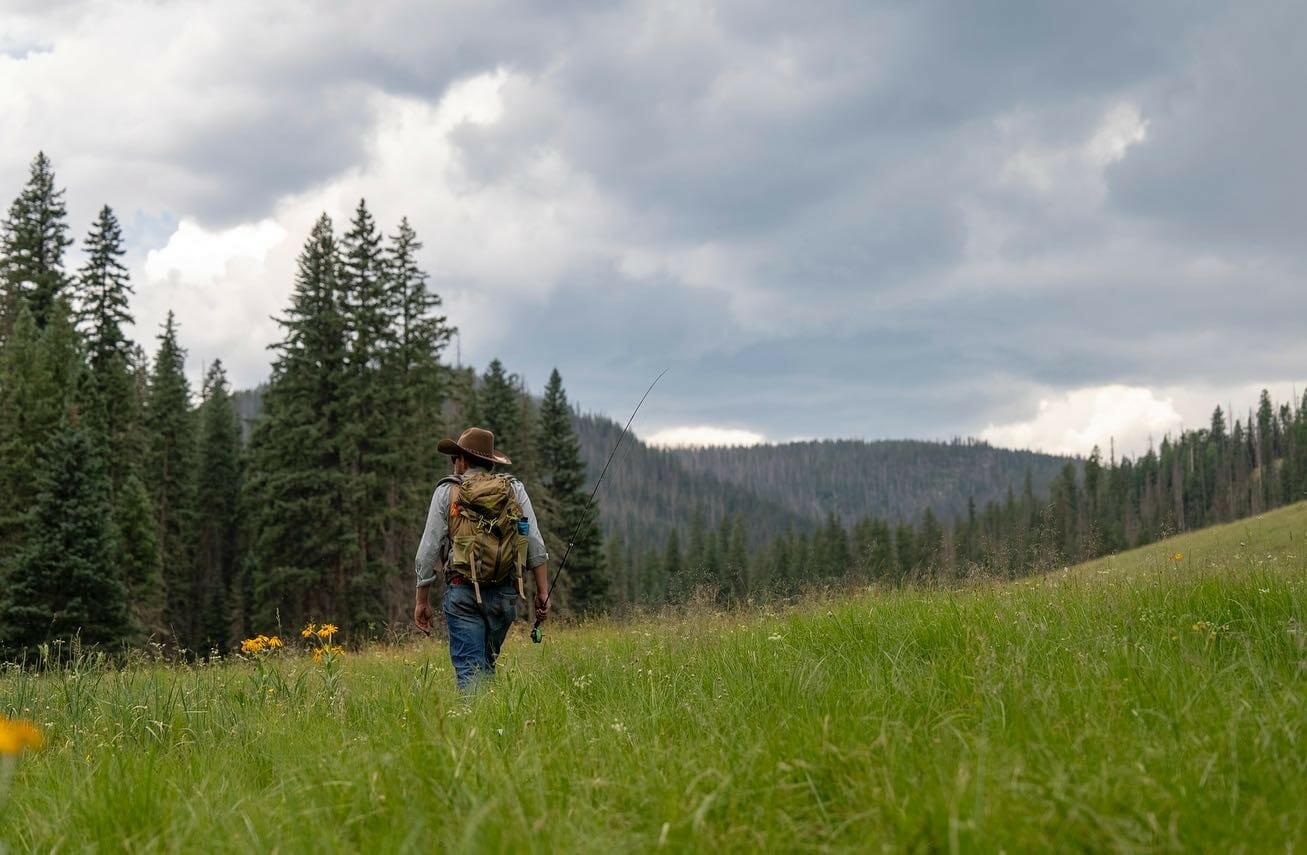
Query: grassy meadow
(1154, 701)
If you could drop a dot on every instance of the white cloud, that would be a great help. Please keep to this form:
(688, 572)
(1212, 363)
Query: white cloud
(700, 436)
(1122, 127)
(194, 253)
(1074, 422)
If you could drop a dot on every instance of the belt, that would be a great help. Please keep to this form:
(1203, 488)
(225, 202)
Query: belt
(456, 579)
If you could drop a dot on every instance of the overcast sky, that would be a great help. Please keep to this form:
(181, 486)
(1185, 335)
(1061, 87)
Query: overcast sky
(1047, 224)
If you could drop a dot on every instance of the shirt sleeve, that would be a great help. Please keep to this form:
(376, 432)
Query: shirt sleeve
(435, 539)
(536, 553)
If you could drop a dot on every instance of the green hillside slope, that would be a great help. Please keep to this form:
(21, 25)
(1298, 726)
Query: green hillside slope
(1142, 704)
(1274, 539)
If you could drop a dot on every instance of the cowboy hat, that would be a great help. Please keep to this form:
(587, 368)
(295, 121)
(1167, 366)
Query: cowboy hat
(474, 442)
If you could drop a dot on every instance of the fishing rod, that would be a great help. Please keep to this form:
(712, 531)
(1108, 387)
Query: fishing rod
(536, 634)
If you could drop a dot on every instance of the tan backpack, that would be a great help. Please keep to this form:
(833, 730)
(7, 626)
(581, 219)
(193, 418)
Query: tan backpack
(487, 530)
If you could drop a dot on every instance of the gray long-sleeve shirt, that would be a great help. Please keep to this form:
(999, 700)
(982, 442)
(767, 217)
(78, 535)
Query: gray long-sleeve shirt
(433, 551)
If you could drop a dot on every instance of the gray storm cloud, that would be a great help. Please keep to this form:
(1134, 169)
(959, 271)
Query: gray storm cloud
(856, 219)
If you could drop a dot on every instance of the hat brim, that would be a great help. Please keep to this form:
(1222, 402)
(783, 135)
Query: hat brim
(449, 446)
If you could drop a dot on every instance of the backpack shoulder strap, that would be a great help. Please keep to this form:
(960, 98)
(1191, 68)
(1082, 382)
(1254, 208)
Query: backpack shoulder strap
(454, 482)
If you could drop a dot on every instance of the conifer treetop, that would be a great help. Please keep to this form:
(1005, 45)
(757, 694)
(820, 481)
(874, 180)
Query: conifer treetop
(33, 238)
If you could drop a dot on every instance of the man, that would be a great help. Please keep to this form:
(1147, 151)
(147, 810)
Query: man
(475, 550)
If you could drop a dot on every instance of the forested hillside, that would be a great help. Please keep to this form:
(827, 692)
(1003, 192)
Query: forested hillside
(891, 479)
(648, 491)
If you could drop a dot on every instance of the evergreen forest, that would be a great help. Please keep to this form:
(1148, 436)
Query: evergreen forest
(136, 509)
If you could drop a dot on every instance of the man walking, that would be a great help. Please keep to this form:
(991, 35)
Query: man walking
(482, 530)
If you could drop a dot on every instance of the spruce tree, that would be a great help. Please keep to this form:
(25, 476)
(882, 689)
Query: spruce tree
(696, 550)
(65, 583)
(424, 386)
(498, 404)
(170, 475)
(42, 378)
(33, 238)
(906, 557)
(930, 544)
(371, 435)
(138, 558)
(102, 290)
(563, 475)
(618, 565)
(1300, 450)
(672, 569)
(422, 333)
(217, 536)
(737, 559)
(297, 483)
(25, 418)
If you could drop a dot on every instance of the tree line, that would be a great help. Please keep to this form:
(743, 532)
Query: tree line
(135, 508)
(1224, 472)
(131, 508)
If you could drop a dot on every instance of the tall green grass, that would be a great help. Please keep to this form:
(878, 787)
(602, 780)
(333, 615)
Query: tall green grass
(1140, 703)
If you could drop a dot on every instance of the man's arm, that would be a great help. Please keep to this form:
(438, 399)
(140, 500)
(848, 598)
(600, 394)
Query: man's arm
(541, 572)
(429, 550)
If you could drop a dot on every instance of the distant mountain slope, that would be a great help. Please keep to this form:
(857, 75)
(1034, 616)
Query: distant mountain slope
(649, 491)
(890, 479)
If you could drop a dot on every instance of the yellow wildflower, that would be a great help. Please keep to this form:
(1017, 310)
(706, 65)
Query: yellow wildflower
(260, 643)
(1179, 556)
(328, 630)
(332, 650)
(17, 735)
(309, 631)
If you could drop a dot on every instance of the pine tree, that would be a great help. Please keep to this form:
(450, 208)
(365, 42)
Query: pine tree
(1299, 461)
(26, 416)
(618, 566)
(138, 557)
(1265, 451)
(781, 566)
(218, 536)
(102, 290)
(696, 551)
(673, 568)
(169, 425)
(737, 559)
(372, 439)
(564, 477)
(42, 378)
(297, 483)
(32, 242)
(65, 584)
(906, 558)
(930, 544)
(425, 385)
(497, 401)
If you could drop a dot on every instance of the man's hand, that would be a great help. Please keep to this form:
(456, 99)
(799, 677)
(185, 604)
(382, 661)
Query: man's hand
(422, 611)
(541, 572)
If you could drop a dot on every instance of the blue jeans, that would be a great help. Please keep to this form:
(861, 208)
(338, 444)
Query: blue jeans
(472, 653)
